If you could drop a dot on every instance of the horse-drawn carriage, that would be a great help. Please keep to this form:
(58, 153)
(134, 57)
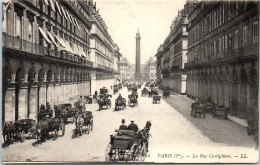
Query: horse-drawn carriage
(144, 91)
(20, 129)
(156, 98)
(50, 125)
(116, 89)
(126, 145)
(90, 99)
(120, 103)
(102, 92)
(104, 101)
(84, 123)
(133, 99)
(166, 94)
(198, 108)
(129, 87)
(152, 92)
(134, 90)
(120, 85)
(220, 111)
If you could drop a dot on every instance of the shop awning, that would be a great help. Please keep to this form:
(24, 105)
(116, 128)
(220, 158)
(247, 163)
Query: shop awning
(77, 24)
(76, 51)
(63, 45)
(58, 7)
(46, 2)
(72, 20)
(87, 32)
(69, 17)
(44, 35)
(64, 13)
(53, 40)
(68, 45)
(52, 5)
(82, 51)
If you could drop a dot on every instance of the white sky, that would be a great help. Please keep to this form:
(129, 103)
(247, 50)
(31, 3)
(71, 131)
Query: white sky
(152, 17)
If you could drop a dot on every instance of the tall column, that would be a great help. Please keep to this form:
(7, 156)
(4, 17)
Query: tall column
(137, 58)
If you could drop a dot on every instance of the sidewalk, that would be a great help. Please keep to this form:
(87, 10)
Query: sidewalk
(219, 130)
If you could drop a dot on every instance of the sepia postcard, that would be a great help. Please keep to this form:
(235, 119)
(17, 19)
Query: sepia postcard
(130, 81)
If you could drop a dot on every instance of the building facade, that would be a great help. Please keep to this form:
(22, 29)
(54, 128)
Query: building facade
(223, 53)
(150, 70)
(173, 54)
(102, 53)
(46, 55)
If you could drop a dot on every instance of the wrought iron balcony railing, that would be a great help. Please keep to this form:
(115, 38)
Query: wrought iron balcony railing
(29, 47)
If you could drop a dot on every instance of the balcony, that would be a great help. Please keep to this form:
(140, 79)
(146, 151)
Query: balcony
(18, 44)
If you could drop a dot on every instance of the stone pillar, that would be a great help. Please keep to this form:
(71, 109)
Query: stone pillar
(9, 103)
(62, 87)
(93, 82)
(49, 94)
(138, 61)
(57, 93)
(23, 102)
(33, 103)
(227, 88)
(42, 94)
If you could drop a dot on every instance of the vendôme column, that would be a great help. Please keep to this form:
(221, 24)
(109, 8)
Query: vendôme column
(137, 58)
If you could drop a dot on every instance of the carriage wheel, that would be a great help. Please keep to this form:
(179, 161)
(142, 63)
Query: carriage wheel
(134, 152)
(142, 153)
(22, 136)
(55, 134)
(91, 125)
(63, 129)
(110, 153)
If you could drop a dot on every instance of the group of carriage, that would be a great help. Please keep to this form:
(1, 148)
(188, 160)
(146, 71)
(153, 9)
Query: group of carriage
(127, 145)
(47, 125)
(202, 107)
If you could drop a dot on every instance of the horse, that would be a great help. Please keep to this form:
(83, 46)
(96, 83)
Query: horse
(79, 125)
(42, 130)
(8, 131)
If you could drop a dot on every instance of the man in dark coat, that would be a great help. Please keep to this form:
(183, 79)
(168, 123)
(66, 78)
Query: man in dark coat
(123, 126)
(133, 126)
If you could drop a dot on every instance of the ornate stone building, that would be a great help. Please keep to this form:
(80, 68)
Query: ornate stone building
(46, 55)
(223, 53)
(172, 54)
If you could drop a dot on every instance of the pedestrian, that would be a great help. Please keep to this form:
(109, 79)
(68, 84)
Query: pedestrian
(123, 126)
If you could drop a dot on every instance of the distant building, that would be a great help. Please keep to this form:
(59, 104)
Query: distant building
(150, 70)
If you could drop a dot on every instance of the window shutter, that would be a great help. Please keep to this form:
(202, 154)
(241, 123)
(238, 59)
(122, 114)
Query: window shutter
(36, 33)
(14, 28)
(26, 29)
(9, 22)
(23, 28)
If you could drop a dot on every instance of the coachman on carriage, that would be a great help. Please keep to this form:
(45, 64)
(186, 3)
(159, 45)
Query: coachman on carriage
(84, 123)
(120, 103)
(126, 145)
(104, 101)
(133, 99)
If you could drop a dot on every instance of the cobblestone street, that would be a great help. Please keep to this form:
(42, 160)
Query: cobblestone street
(172, 133)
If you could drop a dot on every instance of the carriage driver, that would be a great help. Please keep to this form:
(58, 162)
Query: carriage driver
(123, 126)
(210, 100)
(119, 97)
(133, 126)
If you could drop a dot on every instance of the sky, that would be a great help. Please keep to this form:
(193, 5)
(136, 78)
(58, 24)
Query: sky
(153, 18)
